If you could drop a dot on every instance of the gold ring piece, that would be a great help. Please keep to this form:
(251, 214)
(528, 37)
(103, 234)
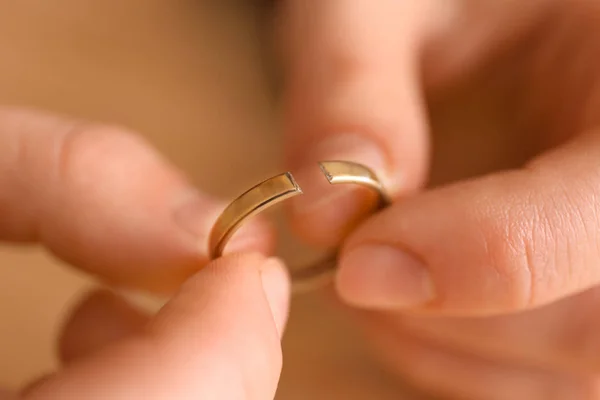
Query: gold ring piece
(282, 187)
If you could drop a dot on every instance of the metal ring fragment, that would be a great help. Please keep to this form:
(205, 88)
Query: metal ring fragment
(282, 187)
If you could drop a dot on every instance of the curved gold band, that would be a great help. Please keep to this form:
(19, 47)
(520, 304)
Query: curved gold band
(279, 188)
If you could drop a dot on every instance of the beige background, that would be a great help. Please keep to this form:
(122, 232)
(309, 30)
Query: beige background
(189, 75)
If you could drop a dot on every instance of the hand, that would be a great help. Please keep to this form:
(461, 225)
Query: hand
(101, 199)
(484, 288)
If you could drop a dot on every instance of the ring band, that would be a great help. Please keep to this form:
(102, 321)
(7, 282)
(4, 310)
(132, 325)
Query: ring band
(282, 187)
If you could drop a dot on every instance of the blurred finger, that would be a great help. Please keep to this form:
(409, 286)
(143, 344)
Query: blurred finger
(570, 340)
(438, 370)
(102, 199)
(100, 319)
(353, 93)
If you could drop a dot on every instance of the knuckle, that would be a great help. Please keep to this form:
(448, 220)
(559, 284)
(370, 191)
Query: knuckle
(511, 241)
(84, 150)
(534, 244)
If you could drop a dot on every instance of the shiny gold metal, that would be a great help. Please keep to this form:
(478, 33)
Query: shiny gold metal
(279, 188)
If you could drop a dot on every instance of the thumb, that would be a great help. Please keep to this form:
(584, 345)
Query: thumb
(353, 93)
(218, 338)
(501, 243)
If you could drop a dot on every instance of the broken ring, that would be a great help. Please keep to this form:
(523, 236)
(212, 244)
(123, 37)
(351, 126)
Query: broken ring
(279, 188)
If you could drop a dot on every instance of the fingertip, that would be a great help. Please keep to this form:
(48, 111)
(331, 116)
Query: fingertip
(383, 277)
(255, 236)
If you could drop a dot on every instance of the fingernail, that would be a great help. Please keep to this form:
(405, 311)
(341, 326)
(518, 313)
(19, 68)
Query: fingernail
(383, 277)
(276, 284)
(327, 210)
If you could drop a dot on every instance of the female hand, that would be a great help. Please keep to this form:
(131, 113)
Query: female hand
(99, 198)
(485, 288)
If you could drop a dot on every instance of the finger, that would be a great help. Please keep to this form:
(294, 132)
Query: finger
(100, 319)
(501, 243)
(218, 338)
(100, 198)
(457, 375)
(353, 93)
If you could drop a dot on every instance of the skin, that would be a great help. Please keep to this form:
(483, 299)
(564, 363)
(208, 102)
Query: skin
(482, 288)
(224, 317)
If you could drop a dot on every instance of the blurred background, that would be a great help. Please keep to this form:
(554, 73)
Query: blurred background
(196, 77)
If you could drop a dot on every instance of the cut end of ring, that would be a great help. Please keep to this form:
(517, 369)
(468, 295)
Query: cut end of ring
(292, 180)
(328, 175)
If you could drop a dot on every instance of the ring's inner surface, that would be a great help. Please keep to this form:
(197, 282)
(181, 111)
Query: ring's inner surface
(256, 199)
